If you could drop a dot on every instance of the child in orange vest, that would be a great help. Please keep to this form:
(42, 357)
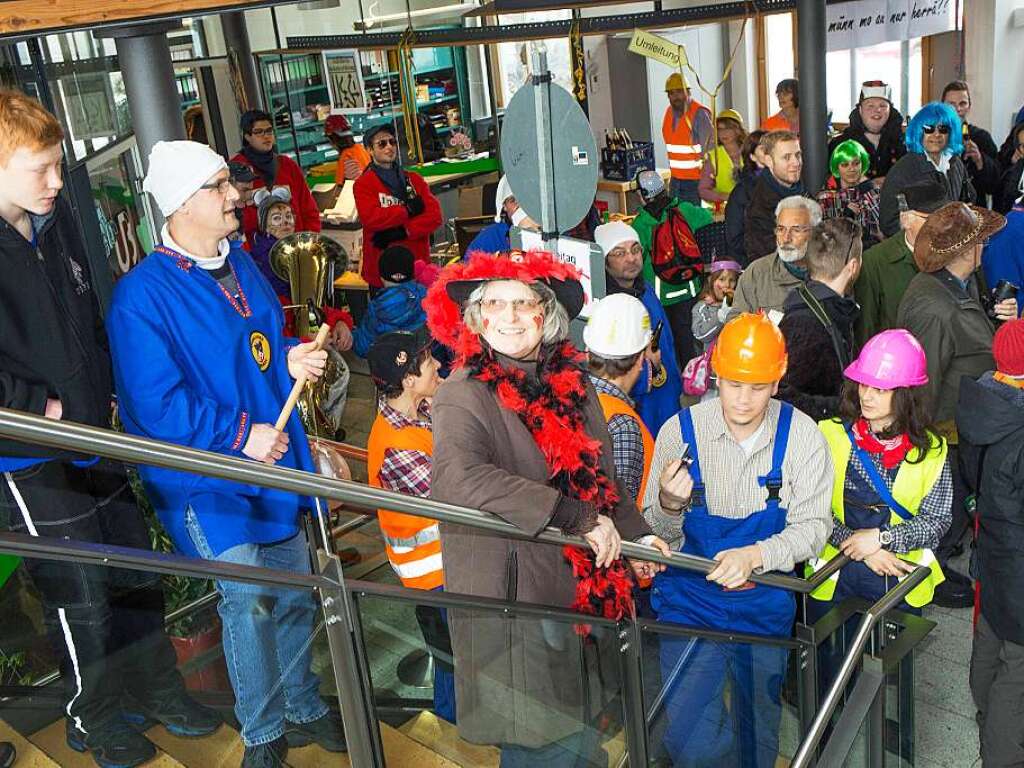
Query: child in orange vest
(399, 451)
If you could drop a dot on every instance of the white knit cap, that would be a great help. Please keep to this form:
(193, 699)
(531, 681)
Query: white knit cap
(613, 234)
(177, 169)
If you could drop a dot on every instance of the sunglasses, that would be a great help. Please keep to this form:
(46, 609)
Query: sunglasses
(381, 143)
(943, 130)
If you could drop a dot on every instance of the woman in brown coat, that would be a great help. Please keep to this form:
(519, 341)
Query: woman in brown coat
(519, 433)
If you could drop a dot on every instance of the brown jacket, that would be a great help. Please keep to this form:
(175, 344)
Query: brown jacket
(518, 680)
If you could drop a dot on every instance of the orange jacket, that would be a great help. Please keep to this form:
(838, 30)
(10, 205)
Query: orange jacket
(412, 543)
(615, 406)
(356, 153)
(685, 157)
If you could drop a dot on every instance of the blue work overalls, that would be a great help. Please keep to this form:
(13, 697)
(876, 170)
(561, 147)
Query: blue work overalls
(722, 700)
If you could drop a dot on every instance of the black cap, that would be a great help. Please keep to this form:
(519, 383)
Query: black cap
(925, 196)
(393, 355)
(240, 171)
(373, 130)
(396, 264)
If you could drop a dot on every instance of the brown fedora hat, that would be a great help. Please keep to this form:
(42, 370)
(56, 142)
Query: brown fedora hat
(950, 231)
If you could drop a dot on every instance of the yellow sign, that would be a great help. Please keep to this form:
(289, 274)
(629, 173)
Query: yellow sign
(658, 48)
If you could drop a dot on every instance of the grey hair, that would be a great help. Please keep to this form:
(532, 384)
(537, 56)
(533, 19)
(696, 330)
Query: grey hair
(799, 201)
(556, 319)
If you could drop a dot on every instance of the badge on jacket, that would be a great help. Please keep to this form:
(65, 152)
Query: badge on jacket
(259, 346)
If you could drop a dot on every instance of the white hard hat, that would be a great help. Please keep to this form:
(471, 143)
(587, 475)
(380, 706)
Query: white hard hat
(619, 326)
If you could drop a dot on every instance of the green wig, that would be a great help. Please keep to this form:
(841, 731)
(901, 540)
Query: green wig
(847, 151)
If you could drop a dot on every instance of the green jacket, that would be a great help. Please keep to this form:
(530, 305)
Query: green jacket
(644, 224)
(886, 272)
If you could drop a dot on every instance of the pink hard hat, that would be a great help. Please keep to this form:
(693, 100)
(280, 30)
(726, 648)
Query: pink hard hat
(890, 359)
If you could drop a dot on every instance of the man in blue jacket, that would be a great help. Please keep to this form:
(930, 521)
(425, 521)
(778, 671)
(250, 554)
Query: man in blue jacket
(658, 391)
(200, 359)
(494, 238)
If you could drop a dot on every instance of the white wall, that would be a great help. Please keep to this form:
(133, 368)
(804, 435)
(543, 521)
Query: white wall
(994, 51)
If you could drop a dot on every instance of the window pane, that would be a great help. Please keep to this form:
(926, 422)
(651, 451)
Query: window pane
(883, 62)
(779, 64)
(914, 97)
(515, 57)
(838, 75)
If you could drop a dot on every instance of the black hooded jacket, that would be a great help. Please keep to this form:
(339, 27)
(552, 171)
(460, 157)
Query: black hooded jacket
(52, 341)
(990, 422)
(891, 146)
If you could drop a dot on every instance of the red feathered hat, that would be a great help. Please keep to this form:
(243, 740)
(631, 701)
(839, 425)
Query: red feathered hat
(446, 296)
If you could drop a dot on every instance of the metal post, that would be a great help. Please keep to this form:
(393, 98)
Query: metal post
(236, 40)
(542, 102)
(635, 720)
(876, 717)
(813, 104)
(153, 101)
(492, 99)
(355, 695)
(808, 676)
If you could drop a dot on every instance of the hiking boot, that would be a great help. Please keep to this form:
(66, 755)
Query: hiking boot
(270, 755)
(178, 712)
(113, 745)
(327, 732)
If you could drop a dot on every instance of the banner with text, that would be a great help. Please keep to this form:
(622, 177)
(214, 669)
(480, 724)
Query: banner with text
(868, 22)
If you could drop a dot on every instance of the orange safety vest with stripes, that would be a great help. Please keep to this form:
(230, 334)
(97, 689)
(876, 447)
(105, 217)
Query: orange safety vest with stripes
(685, 156)
(615, 406)
(412, 543)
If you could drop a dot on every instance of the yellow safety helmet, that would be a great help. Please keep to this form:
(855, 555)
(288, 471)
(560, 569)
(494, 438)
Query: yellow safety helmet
(730, 114)
(750, 349)
(676, 82)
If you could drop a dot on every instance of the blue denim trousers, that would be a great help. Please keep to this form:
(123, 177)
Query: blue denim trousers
(266, 633)
(686, 190)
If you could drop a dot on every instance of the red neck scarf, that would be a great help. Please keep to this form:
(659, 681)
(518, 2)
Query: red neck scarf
(893, 450)
(551, 408)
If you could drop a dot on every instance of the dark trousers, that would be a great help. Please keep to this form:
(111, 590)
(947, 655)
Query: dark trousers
(997, 685)
(680, 319)
(961, 520)
(105, 623)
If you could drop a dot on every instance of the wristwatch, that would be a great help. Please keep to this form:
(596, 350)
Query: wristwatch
(885, 538)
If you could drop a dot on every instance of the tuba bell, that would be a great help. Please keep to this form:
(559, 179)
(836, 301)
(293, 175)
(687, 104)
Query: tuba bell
(309, 262)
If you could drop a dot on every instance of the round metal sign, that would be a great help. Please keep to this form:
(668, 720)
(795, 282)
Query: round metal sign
(573, 156)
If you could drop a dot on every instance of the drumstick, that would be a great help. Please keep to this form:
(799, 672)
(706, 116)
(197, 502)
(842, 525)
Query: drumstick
(293, 396)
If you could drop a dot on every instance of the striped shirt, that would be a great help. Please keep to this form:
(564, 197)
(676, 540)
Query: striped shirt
(730, 477)
(933, 517)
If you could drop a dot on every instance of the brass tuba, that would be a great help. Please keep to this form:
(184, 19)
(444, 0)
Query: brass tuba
(310, 262)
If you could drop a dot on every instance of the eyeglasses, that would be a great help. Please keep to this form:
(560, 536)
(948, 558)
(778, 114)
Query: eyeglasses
(381, 143)
(221, 186)
(519, 306)
(942, 129)
(262, 132)
(799, 229)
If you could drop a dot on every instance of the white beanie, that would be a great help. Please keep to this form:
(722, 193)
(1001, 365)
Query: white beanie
(613, 234)
(177, 169)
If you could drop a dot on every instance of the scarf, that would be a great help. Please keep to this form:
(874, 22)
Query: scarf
(893, 450)
(392, 178)
(265, 163)
(551, 408)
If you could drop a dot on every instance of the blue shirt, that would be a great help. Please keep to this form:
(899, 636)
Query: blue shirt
(657, 401)
(197, 367)
(1003, 257)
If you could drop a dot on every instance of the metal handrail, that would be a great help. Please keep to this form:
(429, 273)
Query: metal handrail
(889, 600)
(70, 436)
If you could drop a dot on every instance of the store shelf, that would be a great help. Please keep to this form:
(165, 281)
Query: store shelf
(442, 100)
(417, 72)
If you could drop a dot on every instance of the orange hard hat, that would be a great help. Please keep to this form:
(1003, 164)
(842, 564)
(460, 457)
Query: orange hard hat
(750, 349)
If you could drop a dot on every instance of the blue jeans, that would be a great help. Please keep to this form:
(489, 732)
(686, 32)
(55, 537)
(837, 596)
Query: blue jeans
(266, 632)
(686, 190)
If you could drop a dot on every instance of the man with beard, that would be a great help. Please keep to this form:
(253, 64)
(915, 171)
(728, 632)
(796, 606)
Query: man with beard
(877, 126)
(767, 282)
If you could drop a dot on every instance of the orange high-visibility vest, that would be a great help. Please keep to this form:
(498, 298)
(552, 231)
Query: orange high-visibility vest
(615, 406)
(685, 156)
(412, 543)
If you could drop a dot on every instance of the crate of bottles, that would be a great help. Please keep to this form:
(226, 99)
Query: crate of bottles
(623, 163)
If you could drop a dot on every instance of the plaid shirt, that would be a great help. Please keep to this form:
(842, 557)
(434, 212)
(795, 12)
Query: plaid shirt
(931, 521)
(406, 471)
(627, 444)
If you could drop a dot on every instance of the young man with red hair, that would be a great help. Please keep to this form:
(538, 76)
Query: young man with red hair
(117, 665)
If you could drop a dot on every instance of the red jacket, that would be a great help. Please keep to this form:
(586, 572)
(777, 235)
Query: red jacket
(289, 174)
(379, 209)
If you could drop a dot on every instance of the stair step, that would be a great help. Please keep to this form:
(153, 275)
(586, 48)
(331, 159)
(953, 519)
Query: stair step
(221, 749)
(441, 737)
(53, 742)
(400, 749)
(29, 755)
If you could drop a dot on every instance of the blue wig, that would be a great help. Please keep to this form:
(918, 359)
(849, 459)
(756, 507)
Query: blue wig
(935, 113)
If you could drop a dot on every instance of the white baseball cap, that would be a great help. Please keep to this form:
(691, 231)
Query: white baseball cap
(618, 327)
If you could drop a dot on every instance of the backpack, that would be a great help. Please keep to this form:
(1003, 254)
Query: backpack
(675, 256)
(697, 373)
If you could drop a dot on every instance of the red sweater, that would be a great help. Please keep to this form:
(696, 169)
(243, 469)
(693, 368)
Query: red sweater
(379, 209)
(289, 174)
